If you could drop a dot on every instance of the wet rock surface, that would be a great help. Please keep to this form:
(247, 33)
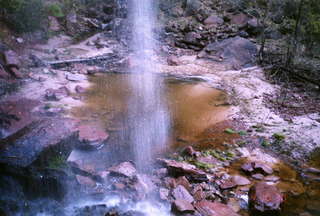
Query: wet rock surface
(265, 198)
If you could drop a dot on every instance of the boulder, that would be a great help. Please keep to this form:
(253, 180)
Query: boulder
(182, 168)
(57, 94)
(206, 208)
(38, 141)
(182, 206)
(234, 50)
(213, 20)
(91, 135)
(240, 180)
(234, 181)
(264, 198)
(257, 167)
(189, 151)
(181, 193)
(240, 20)
(124, 169)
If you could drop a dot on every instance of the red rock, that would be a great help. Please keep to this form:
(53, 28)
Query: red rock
(199, 195)
(257, 176)
(206, 208)
(164, 193)
(240, 19)
(11, 59)
(182, 206)
(161, 172)
(143, 186)
(182, 168)
(57, 94)
(265, 198)
(173, 61)
(240, 180)
(124, 169)
(91, 133)
(272, 178)
(208, 160)
(170, 182)
(181, 193)
(257, 167)
(247, 167)
(85, 181)
(94, 70)
(264, 168)
(213, 20)
(182, 180)
(119, 186)
(228, 184)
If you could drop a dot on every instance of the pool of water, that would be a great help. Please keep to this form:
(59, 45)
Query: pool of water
(194, 108)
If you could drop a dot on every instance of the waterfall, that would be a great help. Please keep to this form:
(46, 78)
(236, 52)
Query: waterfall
(148, 114)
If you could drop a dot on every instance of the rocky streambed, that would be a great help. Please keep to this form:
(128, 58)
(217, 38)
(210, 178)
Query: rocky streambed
(65, 153)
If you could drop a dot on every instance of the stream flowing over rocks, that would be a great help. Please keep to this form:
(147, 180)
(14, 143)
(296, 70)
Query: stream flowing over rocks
(224, 148)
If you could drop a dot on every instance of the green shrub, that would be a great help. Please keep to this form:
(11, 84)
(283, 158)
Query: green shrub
(10, 6)
(24, 16)
(55, 10)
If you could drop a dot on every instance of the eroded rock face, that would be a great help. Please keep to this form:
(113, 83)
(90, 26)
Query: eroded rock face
(207, 208)
(264, 198)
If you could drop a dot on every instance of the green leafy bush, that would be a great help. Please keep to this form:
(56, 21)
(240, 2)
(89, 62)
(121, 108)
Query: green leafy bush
(10, 6)
(24, 16)
(55, 10)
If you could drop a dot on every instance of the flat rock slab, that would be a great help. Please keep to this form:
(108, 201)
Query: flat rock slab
(76, 77)
(181, 193)
(181, 168)
(92, 135)
(124, 169)
(206, 208)
(21, 109)
(27, 144)
(182, 206)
